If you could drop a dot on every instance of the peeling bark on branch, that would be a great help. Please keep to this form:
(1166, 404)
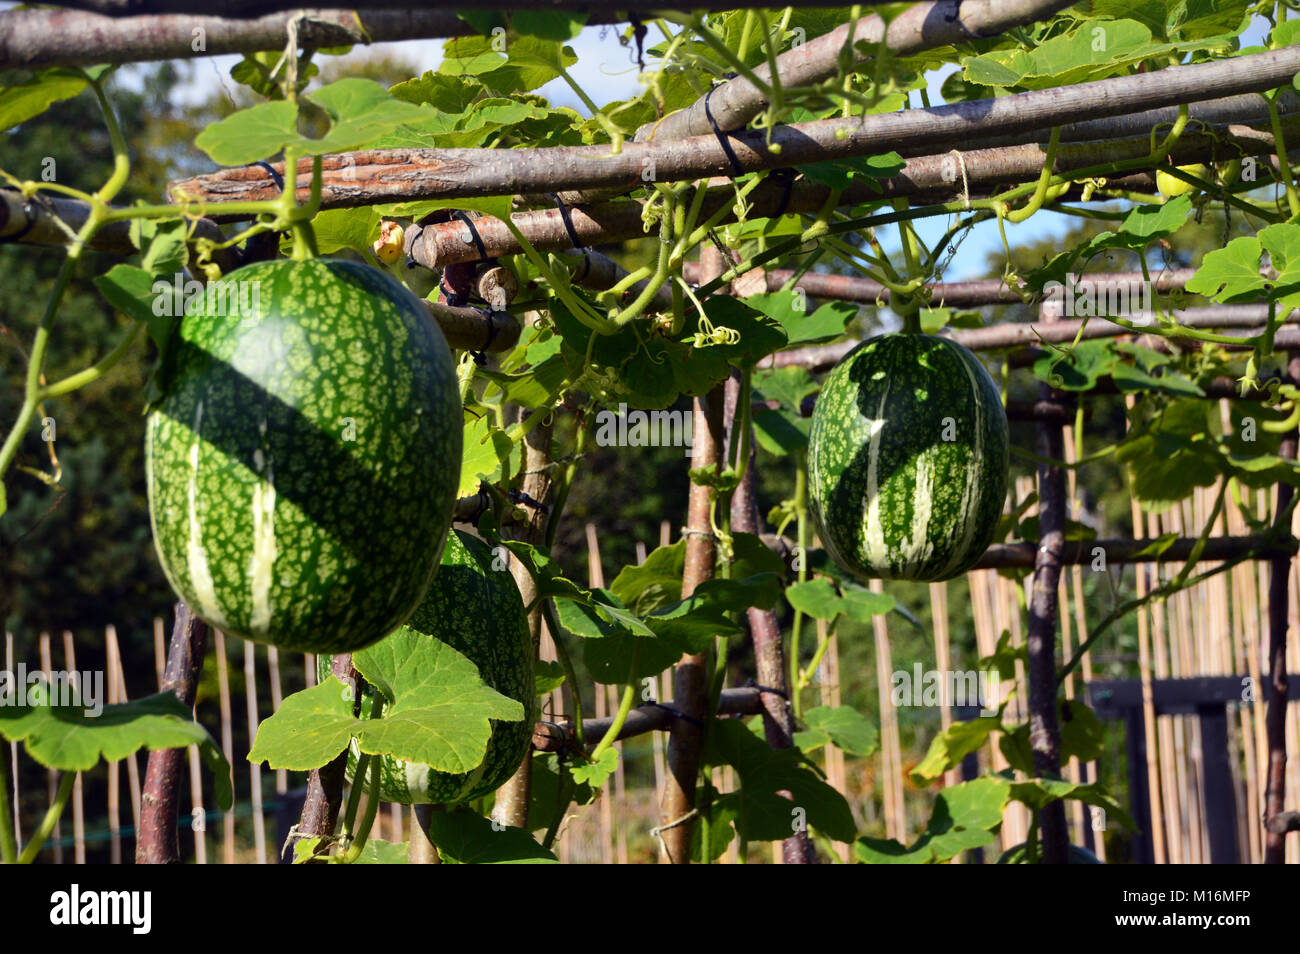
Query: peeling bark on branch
(480, 172)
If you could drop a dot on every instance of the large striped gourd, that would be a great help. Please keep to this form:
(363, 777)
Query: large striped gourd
(305, 453)
(477, 610)
(907, 459)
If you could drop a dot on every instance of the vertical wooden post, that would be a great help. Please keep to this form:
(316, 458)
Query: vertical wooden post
(511, 804)
(765, 633)
(320, 809)
(1044, 732)
(157, 841)
(1275, 715)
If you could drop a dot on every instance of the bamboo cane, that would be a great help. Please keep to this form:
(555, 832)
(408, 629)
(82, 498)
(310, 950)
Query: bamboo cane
(13, 755)
(227, 742)
(254, 768)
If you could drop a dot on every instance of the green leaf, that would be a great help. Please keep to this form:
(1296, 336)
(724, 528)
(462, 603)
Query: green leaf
(558, 25)
(1040, 792)
(548, 675)
(163, 244)
(819, 599)
(309, 729)
(448, 95)
(360, 111)
(486, 453)
(250, 134)
(789, 307)
(844, 726)
(598, 772)
(964, 817)
(441, 709)
(779, 432)
(354, 229)
(655, 583)
(950, 746)
(465, 838)
(764, 815)
(1231, 272)
(73, 738)
(20, 102)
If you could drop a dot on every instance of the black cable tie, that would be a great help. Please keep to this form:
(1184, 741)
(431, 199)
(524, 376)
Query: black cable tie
(677, 713)
(786, 176)
(736, 167)
(490, 316)
(473, 233)
(412, 236)
(454, 299)
(29, 213)
(564, 217)
(751, 684)
(275, 176)
(518, 496)
(586, 268)
(639, 31)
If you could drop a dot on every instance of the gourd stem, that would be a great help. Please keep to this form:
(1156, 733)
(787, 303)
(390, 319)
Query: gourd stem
(49, 821)
(8, 849)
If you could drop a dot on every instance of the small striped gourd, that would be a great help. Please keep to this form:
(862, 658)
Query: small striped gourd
(303, 461)
(474, 606)
(907, 459)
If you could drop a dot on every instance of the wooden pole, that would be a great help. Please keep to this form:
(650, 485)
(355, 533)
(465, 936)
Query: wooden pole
(1275, 716)
(157, 840)
(765, 632)
(690, 691)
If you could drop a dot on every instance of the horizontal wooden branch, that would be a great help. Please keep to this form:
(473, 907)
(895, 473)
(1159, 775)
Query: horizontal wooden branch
(1022, 334)
(968, 294)
(550, 737)
(257, 8)
(926, 179)
(43, 37)
(390, 175)
(475, 329)
(1122, 551)
(35, 222)
(922, 26)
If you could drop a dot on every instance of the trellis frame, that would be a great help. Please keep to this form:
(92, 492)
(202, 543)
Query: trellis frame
(706, 155)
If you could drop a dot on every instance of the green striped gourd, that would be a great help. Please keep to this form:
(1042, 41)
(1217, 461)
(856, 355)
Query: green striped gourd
(477, 610)
(907, 459)
(303, 461)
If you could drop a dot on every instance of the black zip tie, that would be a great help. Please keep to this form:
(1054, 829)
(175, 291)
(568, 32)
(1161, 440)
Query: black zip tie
(412, 236)
(677, 714)
(29, 213)
(564, 217)
(473, 233)
(275, 176)
(518, 496)
(736, 167)
(639, 31)
(786, 176)
(586, 268)
(751, 684)
(455, 299)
